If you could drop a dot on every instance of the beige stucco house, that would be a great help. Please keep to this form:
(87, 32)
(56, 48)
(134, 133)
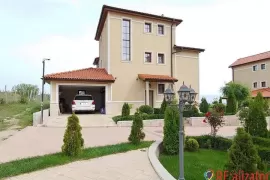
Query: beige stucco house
(254, 72)
(138, 60)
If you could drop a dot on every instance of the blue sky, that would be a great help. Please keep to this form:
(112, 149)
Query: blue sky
(64, 31)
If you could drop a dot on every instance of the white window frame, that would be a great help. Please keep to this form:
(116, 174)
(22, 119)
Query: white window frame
(253, 85)
(164, 58)
(256, 69)
(265, 84)
(130, 39)
(163, 29)
(151, 57)
(151, 27)
(264, 66)
(164, 88)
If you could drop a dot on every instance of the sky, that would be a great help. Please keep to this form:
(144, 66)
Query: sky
(64, 30)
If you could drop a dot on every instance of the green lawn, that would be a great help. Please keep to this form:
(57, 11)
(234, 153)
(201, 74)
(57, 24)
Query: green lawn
(27, 165)
(196, 163)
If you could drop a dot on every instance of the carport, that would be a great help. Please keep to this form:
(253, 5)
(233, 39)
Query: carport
(65, 85)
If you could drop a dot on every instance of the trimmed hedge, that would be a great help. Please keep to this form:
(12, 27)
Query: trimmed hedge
(157, 111)
(146, 109)
(131, 117)
(223, 144)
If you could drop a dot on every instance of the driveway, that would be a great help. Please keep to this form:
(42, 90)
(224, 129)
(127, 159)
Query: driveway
(86, 120)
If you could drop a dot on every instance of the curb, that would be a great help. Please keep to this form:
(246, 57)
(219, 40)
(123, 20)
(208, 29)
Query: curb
(153, 154)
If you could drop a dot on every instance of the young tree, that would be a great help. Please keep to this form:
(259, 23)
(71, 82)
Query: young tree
(240, 91)
(136, 134)
(170, 129)
(215, 119)
(204, 106)
(231, 103)
(255, 123)
(243, 155)
(125, 109)
(73, 141)
(163, 106)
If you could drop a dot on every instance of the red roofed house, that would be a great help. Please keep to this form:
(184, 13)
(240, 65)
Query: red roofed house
(253, 71)
(137, 60)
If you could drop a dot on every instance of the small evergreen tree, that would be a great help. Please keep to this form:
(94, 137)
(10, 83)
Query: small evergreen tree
(243, 155)
(163, 106)
(231, 104)
(136, 134)
(125, 110)
(73, 141)
(204, 106)
(255, 123)
(220, 100)
(170, 129)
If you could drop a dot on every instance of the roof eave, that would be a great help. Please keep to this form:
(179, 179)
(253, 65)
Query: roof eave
(188, 48)
(84, 80)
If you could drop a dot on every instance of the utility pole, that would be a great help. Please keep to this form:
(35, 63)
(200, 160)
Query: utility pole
(42, 92)
(6, 92)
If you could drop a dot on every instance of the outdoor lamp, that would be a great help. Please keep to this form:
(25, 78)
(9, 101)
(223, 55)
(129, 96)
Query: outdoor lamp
(168, 95)
(193, 95)
(184, 93)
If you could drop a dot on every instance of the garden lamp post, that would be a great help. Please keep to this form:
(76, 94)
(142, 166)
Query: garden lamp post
(42, 92)
(185, 95)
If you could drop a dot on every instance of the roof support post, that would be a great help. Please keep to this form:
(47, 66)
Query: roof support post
(147, 93)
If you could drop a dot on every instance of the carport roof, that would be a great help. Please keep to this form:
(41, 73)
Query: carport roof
(161, 78)
(87, 74)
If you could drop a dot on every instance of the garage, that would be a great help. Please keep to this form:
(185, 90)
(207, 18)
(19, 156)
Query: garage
(67, 94)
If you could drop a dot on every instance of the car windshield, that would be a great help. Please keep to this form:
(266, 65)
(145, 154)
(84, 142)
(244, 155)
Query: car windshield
(83, 98)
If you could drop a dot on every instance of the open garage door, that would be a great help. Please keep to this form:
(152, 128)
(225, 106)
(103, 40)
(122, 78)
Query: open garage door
(68, 92)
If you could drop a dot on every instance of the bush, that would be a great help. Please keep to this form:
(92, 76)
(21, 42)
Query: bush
(191, 111)
(219, 107)
(146, 109)
(192, 145)
(23, 100)
(264, 153)
(243, 155)
(136, 134)
(163, 106)
(262, 142)
(73, 141)
(204, 106)
(231, 104)
(208, 144)
(170, 129)
(2, 101)
(157, 111)
(125, 110)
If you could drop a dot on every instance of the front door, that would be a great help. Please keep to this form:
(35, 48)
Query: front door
(151, 98)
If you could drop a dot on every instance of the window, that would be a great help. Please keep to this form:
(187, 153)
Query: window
(263, 84)
(148, 57)
(160, 29)
(255, 85)
(262, 66)
(148, 27)
(255, 68)
(126, 40)
(161, 58)
(161, 88)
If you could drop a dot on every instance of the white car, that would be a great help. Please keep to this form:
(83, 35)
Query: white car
(83, 103)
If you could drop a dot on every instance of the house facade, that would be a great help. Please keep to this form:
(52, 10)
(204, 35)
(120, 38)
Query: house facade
(138, 60)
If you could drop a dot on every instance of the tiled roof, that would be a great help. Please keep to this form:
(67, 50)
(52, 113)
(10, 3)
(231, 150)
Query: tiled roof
(150, 77)
(106, 9)
(265, 92)
(88, 74)
(250, 59)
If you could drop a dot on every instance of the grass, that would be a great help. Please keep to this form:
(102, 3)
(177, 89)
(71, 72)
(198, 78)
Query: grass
(196, 163)
(28, 165)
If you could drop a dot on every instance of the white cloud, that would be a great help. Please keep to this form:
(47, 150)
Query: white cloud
(226, 29)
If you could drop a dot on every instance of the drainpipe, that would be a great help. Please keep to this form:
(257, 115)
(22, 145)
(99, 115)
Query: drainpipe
(172, 52)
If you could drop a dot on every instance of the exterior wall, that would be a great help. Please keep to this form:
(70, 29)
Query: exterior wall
(187, 69)
(127, 86)
(103, 47)
(244, 74)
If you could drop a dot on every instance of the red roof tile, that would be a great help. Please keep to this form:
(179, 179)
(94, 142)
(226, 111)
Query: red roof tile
(265, 92)
(250, 59)
(88, 74)
(150, 77)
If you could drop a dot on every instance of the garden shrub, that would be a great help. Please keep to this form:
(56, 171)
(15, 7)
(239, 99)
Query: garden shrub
(146, 109)
(170, 129)
(73, 141)
(264, 153)
(208, 144)
(23, 100)
(215, 119)
(231, 104)
(204, 106)
(2, 101)
(243, 155)
(262, 142)
(219, 107)
(157, 111)
(163, 106)
(136, 134)
(125, 110)
(192, 145)
(144, 116)
(191, 111)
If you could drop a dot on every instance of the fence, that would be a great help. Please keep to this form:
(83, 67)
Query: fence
(11, 97)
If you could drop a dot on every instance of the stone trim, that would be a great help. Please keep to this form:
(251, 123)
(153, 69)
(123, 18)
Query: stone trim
(153, 154)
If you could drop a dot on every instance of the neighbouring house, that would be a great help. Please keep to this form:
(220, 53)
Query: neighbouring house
(138, 60)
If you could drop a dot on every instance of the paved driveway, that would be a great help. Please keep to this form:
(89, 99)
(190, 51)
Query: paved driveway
(86, 120)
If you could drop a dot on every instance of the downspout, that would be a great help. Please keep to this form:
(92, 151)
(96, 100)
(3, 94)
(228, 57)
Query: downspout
(172, 52)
